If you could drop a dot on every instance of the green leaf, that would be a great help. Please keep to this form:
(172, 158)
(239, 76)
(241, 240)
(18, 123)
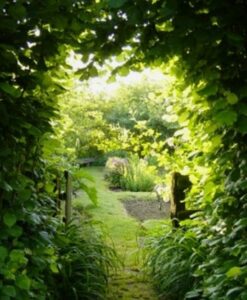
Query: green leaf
(23, 282)
(111, 79)
(226, 117)
(209, 188)
(234, 291)
(193, 294)
(3, 253)
(234, 272)
(93, 72)
(242, 108)
(242, 124)
(91, 192)
(54, 268)
(9, 290)
(17, 11)
(123, 71)
(15, 231)
(231, 98)
(24, 195)
(9, 219)
(116, 3)
(18, 256)
(7, 187)
(209, 90)
(9, 89)
(243, 92)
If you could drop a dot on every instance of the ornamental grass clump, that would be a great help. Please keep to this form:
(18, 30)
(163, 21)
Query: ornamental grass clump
(132, 174)
(84, 263)
(138, 176)
(171, 262)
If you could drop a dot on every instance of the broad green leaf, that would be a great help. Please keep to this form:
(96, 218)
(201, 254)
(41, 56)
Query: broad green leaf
(231, 98)
(18, 256)
(15, 231)
(164, 27)
(183, 117)
(7, 187)
(243, 92)
(235, 38)
(234, 292)
(193, 294)
(9, 89)
(54, 268)
(81, 174)
(25, 195)
(209, 90)
(9, 290)
(242, 108)
(17, 11)
(116, 3)
(209, 188)
(93, 72)
(123, 71)
(234, 272)
(23, 282)
(226, 117)
(111, 79)
(3, 253)
(9, 219)
(242, 124)
(91, 192)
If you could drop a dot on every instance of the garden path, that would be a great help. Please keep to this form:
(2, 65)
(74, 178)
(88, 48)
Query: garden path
(129, 282)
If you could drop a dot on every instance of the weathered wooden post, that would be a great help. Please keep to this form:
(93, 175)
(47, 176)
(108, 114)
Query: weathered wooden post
(58, 192)
(68, 200)
(180, 183)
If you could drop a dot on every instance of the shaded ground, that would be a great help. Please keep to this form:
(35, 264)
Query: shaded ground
(146, 209)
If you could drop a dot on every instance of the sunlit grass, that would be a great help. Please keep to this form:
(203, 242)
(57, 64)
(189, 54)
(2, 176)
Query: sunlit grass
(124, 232)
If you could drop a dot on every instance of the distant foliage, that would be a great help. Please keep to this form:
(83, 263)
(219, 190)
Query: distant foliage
(130, 119)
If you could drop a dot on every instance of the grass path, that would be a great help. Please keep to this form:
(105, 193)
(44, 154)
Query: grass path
(129, 282)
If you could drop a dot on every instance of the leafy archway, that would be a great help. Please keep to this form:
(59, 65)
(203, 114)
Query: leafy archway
(207, 39)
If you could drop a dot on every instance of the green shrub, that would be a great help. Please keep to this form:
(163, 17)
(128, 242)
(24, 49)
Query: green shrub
(84, 263)
(171, 262)
(114, 170)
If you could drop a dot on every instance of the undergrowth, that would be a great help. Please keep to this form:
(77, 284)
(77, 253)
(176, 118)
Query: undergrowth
(171, 261)
(84, 262)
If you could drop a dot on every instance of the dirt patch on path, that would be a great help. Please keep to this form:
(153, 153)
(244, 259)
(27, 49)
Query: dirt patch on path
(146, 209)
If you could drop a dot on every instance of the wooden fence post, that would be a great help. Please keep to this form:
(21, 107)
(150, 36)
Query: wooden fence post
(58, 191)
(180, 184)
(68, 200)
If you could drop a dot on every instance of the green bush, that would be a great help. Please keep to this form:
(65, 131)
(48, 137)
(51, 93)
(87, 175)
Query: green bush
(84, 263)
(114, 170)
(171, 262)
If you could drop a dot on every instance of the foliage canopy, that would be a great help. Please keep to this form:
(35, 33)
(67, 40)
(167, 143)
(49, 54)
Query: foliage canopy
(206, 39)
